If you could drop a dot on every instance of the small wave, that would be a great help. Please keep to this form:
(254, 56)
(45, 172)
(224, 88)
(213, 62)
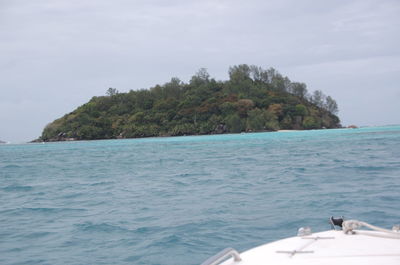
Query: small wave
(17, 249)
(171, 160)
(34, 261)
(133, 258)
(103, 183)
(187, 175)
(101, 227)
(73, 195)
(388, 198)
(248, 159)
(366, 168)
(169, 240)
(20, 211)
(10, 166)
(17, 188)
(36, 235)
(178, 183)
(148, 230)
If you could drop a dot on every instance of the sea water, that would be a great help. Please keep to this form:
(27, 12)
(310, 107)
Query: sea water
(180, 200)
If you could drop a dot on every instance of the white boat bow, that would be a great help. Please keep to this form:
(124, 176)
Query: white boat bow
(344, 247)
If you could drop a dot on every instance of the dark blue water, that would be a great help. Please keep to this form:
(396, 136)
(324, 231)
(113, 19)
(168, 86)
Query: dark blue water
(179, 200)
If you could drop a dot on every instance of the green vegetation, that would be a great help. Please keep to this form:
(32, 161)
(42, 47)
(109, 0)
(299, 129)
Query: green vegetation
(253, 99)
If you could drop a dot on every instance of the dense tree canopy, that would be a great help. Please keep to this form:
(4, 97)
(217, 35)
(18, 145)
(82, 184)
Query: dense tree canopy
(253, 99)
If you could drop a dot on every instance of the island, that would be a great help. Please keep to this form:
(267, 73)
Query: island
(252, 100)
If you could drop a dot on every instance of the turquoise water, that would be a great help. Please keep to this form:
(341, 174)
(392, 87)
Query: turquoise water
(180, 200)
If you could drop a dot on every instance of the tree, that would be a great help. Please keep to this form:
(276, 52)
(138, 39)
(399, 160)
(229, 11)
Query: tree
(173, 88)
(301, 110)
(310, 123)
(272, 122)
(271, 72)
(243, 106)
(331, 105)
(111, 91)
(239, 73)
(318, 98)
(234, 123)
(278, 82)
(258, 74)
(200, 77)
(255, 120)
(228, 108)
(276, 109)
(286, 122)
(299, 89)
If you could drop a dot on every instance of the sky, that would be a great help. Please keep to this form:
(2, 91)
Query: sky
(55, 55)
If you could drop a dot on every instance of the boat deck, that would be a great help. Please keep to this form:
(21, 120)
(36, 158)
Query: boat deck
(329, 248)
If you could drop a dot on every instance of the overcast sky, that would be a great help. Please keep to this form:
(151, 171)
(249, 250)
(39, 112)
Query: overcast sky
(56, 54)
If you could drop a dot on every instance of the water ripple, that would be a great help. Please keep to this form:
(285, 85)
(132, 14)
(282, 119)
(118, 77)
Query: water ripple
(180, 200)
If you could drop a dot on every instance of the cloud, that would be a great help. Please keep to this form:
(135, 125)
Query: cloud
(56, 55)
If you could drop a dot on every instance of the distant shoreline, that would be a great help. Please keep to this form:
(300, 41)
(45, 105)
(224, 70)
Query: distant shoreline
(166, 136)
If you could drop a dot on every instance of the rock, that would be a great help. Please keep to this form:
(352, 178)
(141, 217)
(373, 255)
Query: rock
(37, 141)
(220, 128)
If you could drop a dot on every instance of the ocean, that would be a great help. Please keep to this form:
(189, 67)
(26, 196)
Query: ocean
(180, 200)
